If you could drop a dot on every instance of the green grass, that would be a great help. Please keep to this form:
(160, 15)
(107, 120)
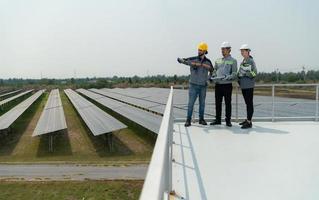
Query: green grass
(77, 145)
(71, 190)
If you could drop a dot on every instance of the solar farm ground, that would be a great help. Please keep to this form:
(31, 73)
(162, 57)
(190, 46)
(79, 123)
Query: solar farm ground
(77, 145)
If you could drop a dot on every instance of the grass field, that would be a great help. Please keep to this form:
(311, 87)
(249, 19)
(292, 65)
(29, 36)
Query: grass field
(288, 92)
(71, 190)
(77, 145)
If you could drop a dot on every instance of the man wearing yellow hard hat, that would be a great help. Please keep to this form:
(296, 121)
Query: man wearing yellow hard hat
(200, 67)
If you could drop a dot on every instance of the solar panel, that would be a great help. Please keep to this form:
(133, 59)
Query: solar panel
(14, 97)
(145, 119)
(8, 93)
(52, 118)
(98, 121)
(12, 115)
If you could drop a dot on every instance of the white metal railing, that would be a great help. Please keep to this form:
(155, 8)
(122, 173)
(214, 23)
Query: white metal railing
(158, 181)
(273, 102)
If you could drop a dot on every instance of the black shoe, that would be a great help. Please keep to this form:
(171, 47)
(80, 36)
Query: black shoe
(247, 125)
(216, 122)
(228, 123)
(202, 122)
(187, 123)
(243, 122)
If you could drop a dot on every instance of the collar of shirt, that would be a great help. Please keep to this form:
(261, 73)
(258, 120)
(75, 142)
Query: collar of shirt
(199, 58)
(228, 57)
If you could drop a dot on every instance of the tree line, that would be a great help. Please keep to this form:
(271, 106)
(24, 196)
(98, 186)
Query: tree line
(311, 76)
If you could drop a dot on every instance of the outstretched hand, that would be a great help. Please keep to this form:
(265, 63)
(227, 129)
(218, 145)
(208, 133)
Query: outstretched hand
(180, 60)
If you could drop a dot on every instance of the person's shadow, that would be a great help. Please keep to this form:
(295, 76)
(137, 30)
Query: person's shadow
(258, 129)
(237, 130)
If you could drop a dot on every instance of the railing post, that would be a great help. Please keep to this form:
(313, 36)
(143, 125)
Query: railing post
(317, 101)
(237, 88)
(273, 103)
(170, 157)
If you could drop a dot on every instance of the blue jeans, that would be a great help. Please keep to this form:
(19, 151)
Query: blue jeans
(193, 92)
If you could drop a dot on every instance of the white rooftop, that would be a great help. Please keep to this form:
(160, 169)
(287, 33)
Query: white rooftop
(273, 160)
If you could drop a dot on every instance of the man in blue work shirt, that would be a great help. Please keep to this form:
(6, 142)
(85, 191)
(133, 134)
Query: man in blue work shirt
(200, 66)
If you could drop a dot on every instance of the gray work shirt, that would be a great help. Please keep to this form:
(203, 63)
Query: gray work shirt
(199, 75)
(247, 73)
(225, 67)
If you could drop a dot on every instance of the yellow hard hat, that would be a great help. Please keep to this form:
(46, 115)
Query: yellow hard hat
(203, 46)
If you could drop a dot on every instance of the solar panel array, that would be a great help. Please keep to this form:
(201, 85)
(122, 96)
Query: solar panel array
(284, 107)
(145, 119)
(52, 118)
(14, 97)
(12, 115)
(9, 93)
(98, 121)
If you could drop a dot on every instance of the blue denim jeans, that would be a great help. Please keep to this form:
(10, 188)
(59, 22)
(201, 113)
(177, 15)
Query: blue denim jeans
(194, 92)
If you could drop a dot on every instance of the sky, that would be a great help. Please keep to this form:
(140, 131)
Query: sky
(99, 38)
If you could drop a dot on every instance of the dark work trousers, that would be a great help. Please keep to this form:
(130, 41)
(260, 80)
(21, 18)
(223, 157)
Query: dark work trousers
(223, 90)
(249, 101)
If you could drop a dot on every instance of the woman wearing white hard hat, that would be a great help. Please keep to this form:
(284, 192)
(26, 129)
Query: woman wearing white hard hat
(246, 80)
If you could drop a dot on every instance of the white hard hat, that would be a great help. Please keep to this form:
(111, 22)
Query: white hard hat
(244, 47)
(225, 45)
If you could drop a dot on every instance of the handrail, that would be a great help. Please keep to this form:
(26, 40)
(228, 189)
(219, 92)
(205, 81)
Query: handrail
(273, 88)
(287, 84)
(158, 181)
(273, 101)
(264, 85)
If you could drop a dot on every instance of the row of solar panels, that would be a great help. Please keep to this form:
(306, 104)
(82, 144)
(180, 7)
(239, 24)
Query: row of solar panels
(7, 119)
(2, 95)
(52, 118)
(137, 115)
(10, 99)
(98, 121)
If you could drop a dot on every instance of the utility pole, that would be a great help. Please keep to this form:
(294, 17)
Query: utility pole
(277, 75)
(74, 75)
(304, 73)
